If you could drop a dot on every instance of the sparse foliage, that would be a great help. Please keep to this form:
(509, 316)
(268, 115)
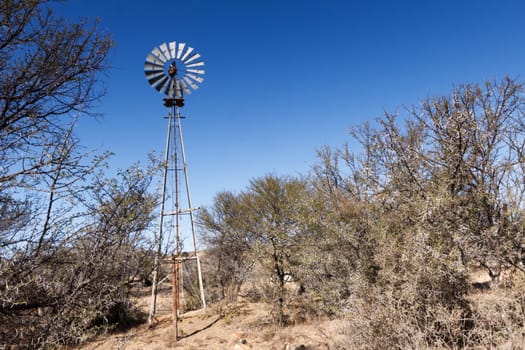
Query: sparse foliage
(434, 194)
(387, 236)
(275, 222)
(261, 226)
(228, 256)
(64, 290)
(67, 237)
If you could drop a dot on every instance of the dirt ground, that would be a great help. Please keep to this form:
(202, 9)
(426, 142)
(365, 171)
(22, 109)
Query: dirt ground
(243, 326)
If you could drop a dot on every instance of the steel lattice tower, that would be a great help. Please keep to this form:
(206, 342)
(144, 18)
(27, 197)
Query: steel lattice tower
(171, 69)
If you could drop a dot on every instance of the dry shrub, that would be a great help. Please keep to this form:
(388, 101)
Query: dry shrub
(417, 300)
(380, 326)
(302, 310)
(408, 316)
(499, 314)
(390, 321)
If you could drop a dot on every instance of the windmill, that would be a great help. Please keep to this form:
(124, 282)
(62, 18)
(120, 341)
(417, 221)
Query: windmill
(174, 69)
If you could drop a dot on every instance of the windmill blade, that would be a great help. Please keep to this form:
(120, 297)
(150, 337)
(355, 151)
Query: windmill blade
(184, 87)
(164, 85)
(196, 64)
(152, 66)
(165, 51)
(152, 59)
(178, 89)
(149, 67)
(160, 84)
(156, 52)
(194, 77)
(173, 50)
(171, 88)
(152, 73)
(188, 51)
(162, 54)
(180, 49)
(154, 79)
(196, 71)
(190, 83)
(192, 58)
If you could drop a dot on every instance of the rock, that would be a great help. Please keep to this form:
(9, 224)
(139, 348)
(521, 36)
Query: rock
(240, 342)
(240, 346)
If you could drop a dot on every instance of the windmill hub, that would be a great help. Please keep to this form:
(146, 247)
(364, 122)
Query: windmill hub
(172, 70)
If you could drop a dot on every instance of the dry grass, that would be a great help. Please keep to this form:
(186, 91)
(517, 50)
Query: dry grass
(498, 316)
(244, 325)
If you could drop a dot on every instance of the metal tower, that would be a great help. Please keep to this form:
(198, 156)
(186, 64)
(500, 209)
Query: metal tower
(172, 68)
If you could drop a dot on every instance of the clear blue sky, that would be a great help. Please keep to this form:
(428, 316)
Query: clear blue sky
(283, 78)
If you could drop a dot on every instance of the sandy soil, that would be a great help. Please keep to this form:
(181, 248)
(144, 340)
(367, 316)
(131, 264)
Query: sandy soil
(243, 326)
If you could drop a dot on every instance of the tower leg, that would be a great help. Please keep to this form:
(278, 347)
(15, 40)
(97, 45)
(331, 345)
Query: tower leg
(158, 238)
(192, 221)
(175, 295)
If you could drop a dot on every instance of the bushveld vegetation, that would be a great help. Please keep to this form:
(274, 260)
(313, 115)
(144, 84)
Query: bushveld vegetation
(70, 238)
(383, 232)
(388, 236)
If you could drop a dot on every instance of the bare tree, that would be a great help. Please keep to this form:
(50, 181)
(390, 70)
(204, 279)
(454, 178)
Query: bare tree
(75, 279)
(463, 155)
(49, 69)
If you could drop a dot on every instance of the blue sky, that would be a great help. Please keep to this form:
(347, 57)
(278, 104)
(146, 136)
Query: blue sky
(284, 78)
